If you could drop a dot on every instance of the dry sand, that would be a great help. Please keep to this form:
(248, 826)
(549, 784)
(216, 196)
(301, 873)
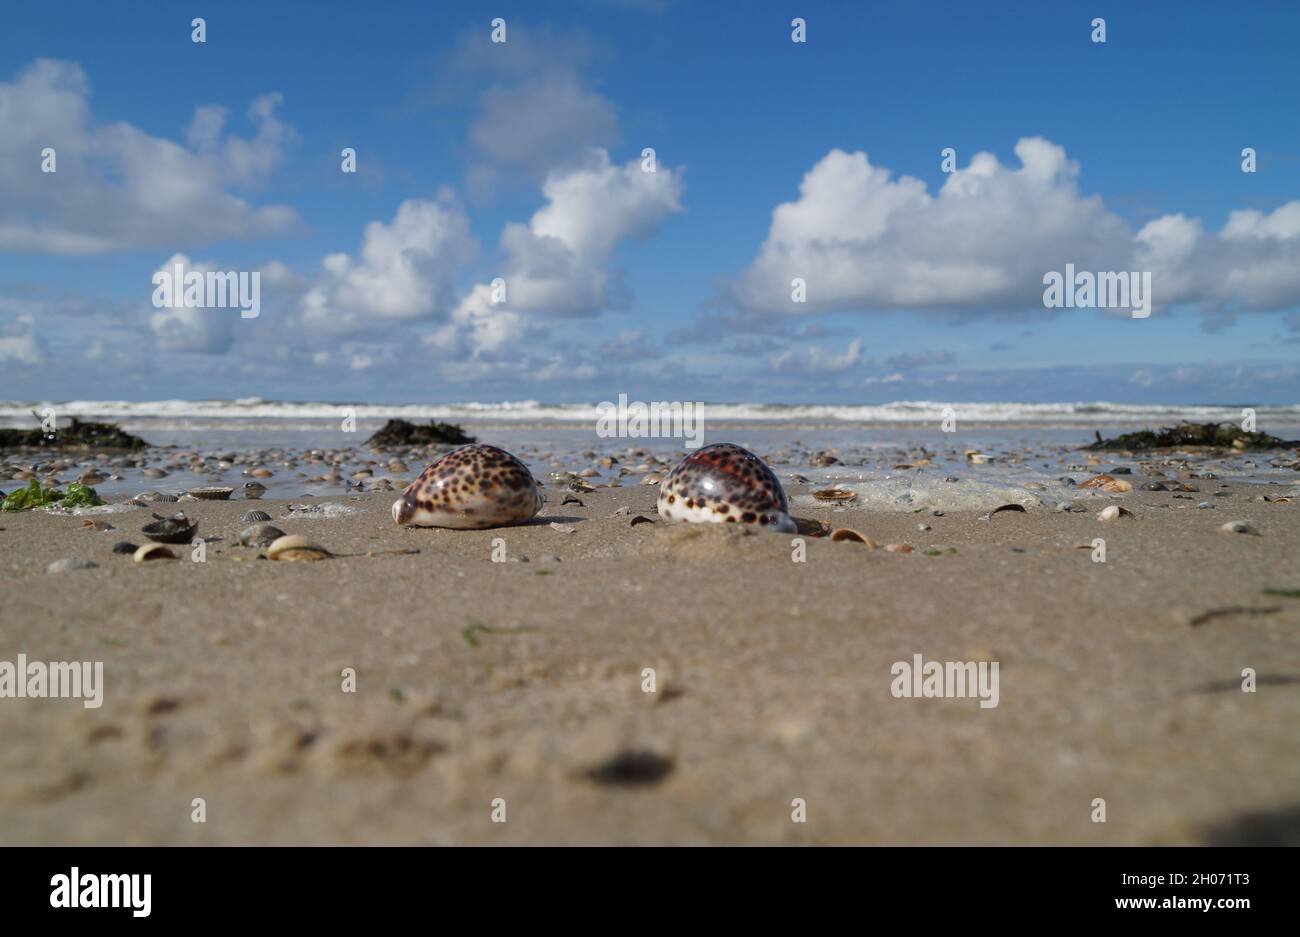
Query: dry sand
(223, 681)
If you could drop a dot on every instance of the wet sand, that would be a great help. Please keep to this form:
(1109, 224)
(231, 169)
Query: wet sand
(478, 680)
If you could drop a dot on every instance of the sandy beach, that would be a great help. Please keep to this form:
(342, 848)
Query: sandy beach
(523, 680)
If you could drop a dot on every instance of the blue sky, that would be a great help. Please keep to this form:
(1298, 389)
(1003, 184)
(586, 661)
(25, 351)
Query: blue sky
(522, 160)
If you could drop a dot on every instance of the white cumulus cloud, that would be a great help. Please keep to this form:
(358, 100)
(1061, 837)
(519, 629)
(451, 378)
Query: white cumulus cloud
(405, 270)
(196, 329)
(116, 187)
(559, 263)
(866, 241)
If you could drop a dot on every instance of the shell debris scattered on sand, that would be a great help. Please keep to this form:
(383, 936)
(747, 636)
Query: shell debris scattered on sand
(470, 488)
(724, 483)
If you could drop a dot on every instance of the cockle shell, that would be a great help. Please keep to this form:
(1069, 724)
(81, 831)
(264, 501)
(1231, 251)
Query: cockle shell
(214, 493)
(724, 483)
(260, 535)
(470, 488)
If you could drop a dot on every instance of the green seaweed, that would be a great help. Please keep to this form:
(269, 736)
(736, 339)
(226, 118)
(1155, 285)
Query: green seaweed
(34, 496)
(1284, 593)
(80, 496)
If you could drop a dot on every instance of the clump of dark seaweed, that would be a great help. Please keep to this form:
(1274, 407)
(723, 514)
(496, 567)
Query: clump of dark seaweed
(396, 433)
(78, 434)
(1212, 435)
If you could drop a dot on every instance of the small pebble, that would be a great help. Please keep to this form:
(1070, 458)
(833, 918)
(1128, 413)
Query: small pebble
(1205, 505)
(922, 526)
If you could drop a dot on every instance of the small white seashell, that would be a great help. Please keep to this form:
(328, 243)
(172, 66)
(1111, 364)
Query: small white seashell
(68, 565)
(1239, 527)
(563, 528)
(294, 548)
(1114, 512)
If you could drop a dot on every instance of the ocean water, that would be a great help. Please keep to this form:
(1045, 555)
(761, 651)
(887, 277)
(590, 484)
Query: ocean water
(1025, 443)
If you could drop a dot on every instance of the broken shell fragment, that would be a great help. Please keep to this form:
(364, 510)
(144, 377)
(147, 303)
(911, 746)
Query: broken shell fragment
(1008, 507)
(1239, 527)
(811, 528)
(175, 529)
(153, 551)
(1114, 512)
(898, 548)
(295, 548)
(852, 536)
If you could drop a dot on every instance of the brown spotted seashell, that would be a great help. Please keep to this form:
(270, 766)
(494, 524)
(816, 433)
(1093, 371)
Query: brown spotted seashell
(470, 488)
(724, 483)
